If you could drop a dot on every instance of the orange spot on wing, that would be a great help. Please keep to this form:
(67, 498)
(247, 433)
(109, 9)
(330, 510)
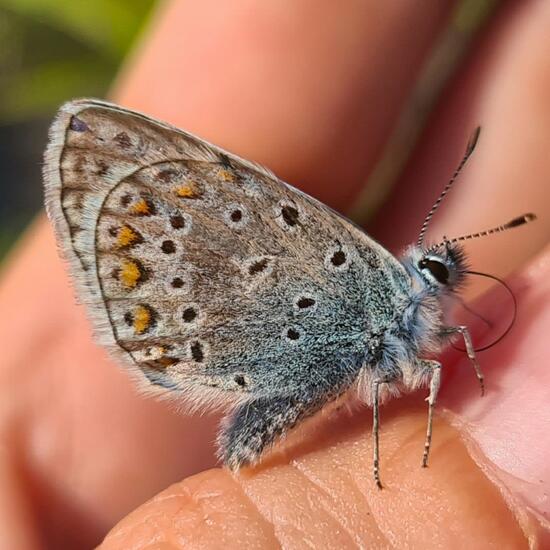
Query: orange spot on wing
(130, 274)
(226, 175)
(127, 237)
(142, 319)
(188, 190)
(141, 207)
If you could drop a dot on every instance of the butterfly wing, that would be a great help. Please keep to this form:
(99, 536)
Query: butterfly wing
(204, 272)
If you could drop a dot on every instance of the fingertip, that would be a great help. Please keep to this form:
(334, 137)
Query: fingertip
(318, 489)
(505, 426)
(208, 510)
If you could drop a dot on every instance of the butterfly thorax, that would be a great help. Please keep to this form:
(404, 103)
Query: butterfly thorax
(419, 327)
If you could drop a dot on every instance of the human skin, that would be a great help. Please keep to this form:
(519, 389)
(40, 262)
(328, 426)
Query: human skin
(312, 91)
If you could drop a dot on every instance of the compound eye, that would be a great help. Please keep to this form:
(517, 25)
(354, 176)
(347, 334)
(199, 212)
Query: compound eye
(438, 270)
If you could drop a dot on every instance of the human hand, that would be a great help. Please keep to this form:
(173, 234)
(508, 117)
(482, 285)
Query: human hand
(311, 91)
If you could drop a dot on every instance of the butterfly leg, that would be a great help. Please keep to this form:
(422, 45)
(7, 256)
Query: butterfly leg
(375, 388)
(469, 351)
(435, 368)
(375, 431)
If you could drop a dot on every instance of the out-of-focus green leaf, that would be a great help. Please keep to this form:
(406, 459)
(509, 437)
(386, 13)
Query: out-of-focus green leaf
(52, 50)
(106, 25)
(471, 12)
(8, 41)
(36, 89)
(7, 238)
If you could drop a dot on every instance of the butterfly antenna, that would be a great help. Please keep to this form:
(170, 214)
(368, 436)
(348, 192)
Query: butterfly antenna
(516, 222)
(514, 314)
(469, 150)
(471, 310)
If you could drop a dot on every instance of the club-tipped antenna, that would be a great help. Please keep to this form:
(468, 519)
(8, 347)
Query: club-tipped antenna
(469, 150)
(516, 222)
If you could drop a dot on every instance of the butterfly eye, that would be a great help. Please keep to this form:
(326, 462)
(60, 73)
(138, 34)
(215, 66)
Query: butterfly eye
(438, 270)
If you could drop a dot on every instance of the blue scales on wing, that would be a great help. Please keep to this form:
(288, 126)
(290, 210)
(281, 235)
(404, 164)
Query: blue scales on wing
(207, 273)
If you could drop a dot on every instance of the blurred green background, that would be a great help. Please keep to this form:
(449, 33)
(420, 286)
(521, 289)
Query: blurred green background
(51, 51)
(55, 50)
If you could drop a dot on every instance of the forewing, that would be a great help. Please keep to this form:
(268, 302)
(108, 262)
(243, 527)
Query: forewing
(202, 270)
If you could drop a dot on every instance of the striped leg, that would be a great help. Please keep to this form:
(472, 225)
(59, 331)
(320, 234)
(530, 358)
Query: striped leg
(435, 382)
(375, 430)
(470, 351)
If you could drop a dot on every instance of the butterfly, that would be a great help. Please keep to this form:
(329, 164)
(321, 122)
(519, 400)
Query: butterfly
(217, 284)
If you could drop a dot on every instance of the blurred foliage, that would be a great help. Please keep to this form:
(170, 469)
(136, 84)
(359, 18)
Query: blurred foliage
(468, 20)
(52, 50)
